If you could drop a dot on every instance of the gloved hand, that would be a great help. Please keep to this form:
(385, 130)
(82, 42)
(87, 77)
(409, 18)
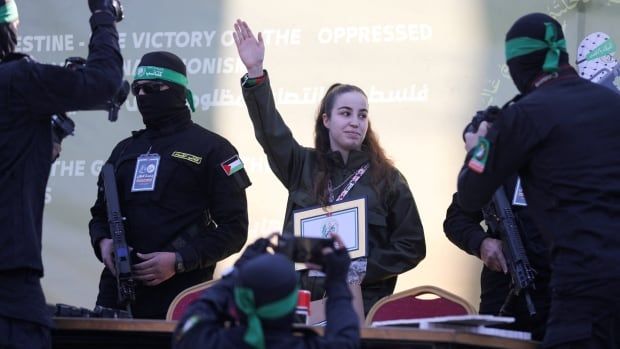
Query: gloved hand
(112, 6)
(336, 265)
(253, 250)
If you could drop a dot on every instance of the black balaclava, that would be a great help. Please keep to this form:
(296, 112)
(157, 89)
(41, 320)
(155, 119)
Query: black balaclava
(8, 35)
(524, 69)
(164, 109)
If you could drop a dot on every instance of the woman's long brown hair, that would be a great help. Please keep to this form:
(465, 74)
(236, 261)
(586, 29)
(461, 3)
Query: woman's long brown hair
(8, 39)
(380, 165)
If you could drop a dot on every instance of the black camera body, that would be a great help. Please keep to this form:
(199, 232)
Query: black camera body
(303, 250)
(489, 115)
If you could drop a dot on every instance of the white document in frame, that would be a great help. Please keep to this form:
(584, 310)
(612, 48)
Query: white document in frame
(345, 218)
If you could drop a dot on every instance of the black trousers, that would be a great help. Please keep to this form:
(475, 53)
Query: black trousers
(605, 334)
(495, 286)
(19, 334)
(585, 316)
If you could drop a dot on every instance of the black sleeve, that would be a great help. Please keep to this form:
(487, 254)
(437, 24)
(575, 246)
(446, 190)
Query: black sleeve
(50, 89)
(407, 246)
(342, 331)
(512, 138)
(229, 211)
(285, 155)
(203, 325)
(463, 228)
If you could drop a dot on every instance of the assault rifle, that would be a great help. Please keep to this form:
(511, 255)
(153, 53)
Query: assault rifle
(124, 279)
(499, 217)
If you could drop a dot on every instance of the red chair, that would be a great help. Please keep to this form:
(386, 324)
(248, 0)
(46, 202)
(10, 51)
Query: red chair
(181, 302)
(418, 302)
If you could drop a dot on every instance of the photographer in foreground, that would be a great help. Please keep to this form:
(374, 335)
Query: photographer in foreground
(561, 137)
(31, 93)
(253, 306)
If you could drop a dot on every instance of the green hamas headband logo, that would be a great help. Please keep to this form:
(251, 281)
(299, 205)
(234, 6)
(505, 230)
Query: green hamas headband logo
(150, 72)
(606, 48)
(8, 12)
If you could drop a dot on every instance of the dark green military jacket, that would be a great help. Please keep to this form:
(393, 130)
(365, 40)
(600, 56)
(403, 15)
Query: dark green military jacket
(395, 234)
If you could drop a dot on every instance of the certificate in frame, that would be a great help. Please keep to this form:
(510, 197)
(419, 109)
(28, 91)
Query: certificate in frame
(346, 218)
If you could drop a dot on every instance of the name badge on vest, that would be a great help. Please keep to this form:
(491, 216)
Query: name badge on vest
(519, 198)
(146, 173)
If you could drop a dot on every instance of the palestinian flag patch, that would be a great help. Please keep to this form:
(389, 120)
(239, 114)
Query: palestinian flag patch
(232, 165)
(480, 156)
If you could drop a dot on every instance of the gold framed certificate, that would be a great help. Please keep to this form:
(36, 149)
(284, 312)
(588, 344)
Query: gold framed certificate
(346, 218)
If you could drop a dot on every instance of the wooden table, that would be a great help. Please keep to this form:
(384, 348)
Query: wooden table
(73, 333)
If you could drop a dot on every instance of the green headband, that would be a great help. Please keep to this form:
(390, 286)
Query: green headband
(159, 73)
(525, 45)
(244, 298)
(8, 12)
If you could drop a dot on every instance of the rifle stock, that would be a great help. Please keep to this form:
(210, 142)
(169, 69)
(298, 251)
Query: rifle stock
(124, 277)
(500, 218)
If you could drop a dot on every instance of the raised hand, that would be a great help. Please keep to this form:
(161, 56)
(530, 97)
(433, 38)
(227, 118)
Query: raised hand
(251, 50)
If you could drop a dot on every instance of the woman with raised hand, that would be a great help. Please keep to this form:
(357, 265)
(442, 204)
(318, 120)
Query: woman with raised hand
(346, 162)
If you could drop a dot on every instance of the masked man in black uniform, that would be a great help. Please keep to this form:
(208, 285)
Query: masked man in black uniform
(561, 137)
(464, 230)
(181, 189)
(31, 93)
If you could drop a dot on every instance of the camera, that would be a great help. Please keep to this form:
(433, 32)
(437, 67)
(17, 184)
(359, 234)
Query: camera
(302, 249)
(489, 115)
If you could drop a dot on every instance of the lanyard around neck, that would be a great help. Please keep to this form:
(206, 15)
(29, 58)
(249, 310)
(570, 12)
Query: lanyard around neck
(358, 174)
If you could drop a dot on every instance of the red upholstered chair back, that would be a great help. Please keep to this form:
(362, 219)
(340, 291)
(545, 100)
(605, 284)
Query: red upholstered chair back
(418, 302)
(181, 302)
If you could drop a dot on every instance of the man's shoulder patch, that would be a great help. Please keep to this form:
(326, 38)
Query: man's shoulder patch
(232, 165)
(480, 155)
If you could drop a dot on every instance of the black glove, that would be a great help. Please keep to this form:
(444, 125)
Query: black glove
(253, 250)
(489, 115)
(336, 265)
(112, 6)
